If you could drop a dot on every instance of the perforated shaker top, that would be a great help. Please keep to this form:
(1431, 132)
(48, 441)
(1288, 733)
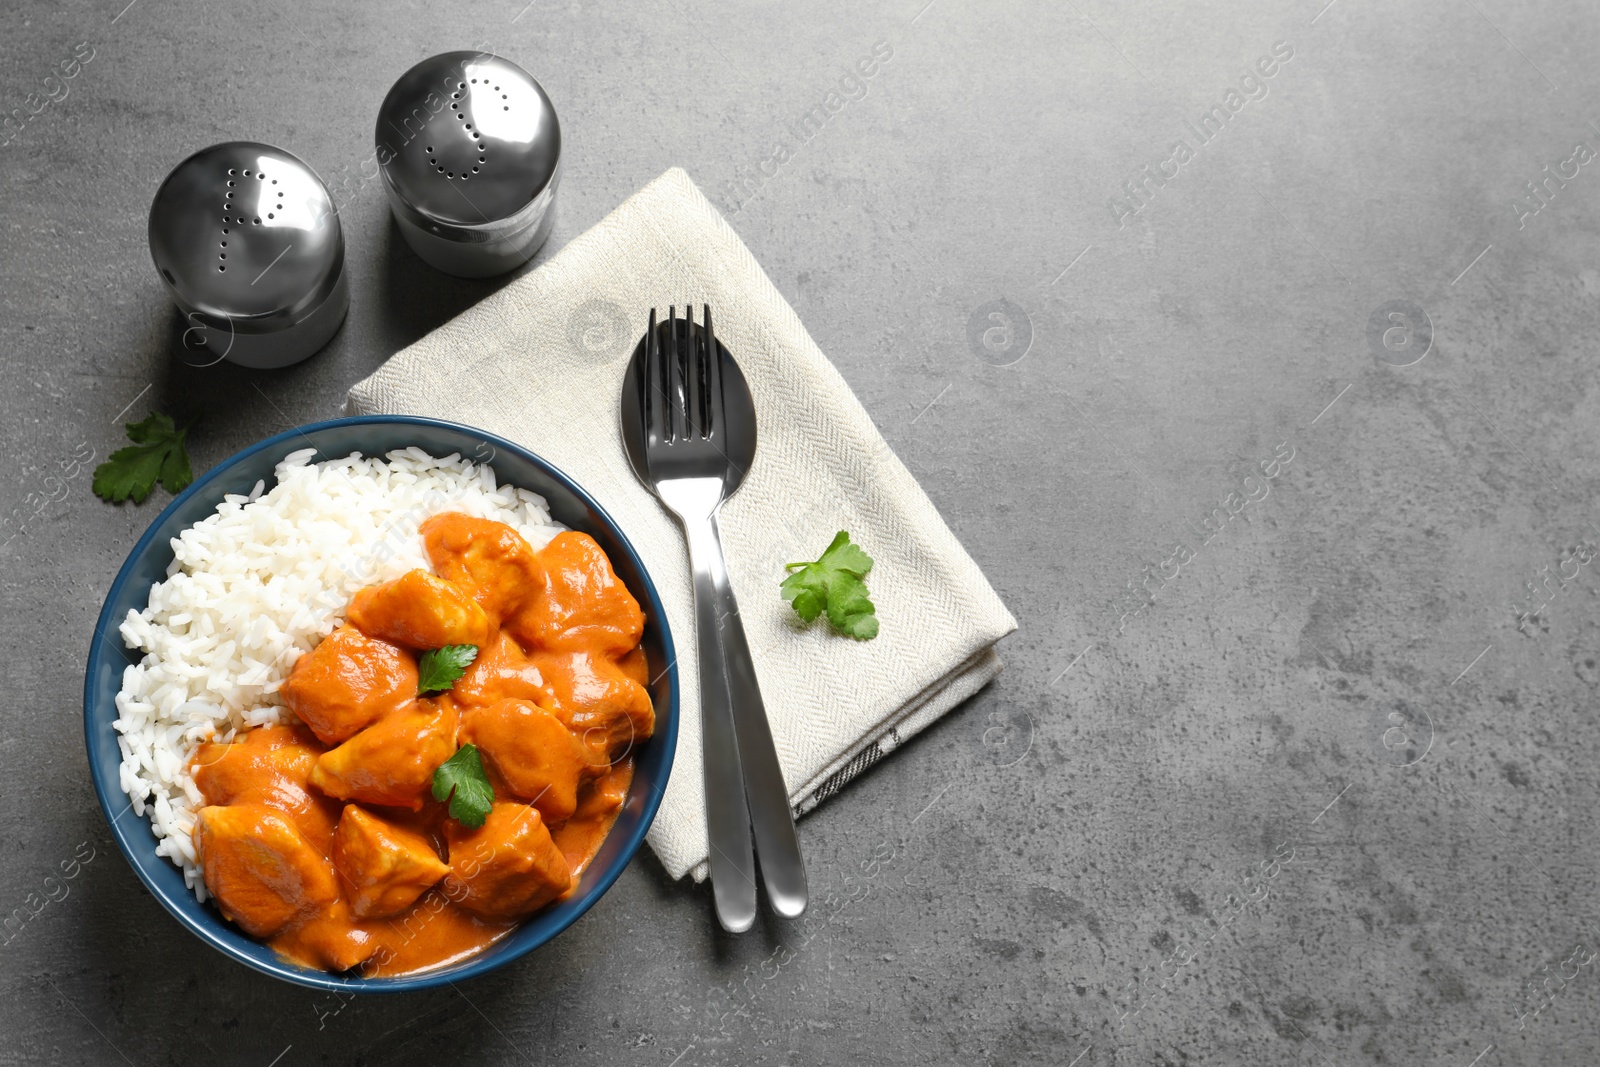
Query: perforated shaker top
(247, 232)
(467, 138)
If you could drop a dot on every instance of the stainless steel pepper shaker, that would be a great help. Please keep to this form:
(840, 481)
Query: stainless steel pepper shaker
(248, 242)
(470, 150)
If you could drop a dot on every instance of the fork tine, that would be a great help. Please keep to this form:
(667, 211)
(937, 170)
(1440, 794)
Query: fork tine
(676, 413)
(651, 401)
(693, 378)
(686, 379)
(713, 382)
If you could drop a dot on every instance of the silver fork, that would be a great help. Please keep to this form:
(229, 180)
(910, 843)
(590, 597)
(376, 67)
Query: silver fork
(682, 412)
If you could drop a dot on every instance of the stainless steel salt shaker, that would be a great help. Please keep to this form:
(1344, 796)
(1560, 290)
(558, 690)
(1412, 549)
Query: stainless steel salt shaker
(248, 242)
(470, 150)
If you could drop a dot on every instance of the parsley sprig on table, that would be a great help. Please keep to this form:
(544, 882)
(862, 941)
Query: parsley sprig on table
(461, 780)
(835, 583)
(438, 670)
(157, 454)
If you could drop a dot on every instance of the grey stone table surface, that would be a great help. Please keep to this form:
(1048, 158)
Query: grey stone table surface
(1248, 348)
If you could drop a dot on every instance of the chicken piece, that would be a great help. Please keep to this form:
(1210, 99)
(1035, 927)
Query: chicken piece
(392, 761)
(536, 757)
(487, 558)
(269, 765)
(333, 940)
(419, 611)
(261, 870)
(506, 868)
(635, 666)
(605, 796)
(254, 766)
(501, 671)
(578, 602)
(385, 867)
(598, 702)
(347, 682)
(599, 801)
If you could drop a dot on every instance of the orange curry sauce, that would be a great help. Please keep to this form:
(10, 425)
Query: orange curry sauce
(323, 838)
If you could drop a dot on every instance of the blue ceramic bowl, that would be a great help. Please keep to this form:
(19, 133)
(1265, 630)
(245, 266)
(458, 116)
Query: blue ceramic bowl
(375, 435)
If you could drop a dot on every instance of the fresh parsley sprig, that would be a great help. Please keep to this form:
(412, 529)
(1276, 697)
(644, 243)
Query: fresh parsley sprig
(439, 669)
(157, 454)
(462, 781)
(835, 583)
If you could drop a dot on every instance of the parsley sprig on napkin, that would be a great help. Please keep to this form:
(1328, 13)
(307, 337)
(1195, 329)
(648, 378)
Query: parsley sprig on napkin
(835, 583)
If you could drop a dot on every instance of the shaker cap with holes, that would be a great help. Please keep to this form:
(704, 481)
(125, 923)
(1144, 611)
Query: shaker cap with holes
(248, 242)
(470, 150)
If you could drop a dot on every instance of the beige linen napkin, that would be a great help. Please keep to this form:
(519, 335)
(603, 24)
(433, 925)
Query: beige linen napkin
(541, 362)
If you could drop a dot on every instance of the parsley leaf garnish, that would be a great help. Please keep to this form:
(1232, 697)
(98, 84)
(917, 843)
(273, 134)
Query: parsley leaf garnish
(157, 454)
(438, 670)
(834, 584)
(462, 781)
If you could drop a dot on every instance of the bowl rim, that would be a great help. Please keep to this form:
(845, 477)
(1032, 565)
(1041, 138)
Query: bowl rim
(107, 636)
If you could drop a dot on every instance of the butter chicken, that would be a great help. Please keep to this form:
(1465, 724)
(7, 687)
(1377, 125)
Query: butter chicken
(324, 839)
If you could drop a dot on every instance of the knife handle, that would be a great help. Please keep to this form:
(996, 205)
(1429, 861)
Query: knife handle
(783, 869)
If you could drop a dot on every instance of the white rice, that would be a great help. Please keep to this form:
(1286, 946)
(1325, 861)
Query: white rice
(262, 581)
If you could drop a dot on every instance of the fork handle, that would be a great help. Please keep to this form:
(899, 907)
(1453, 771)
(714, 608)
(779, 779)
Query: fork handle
(733, 875)
(783, 868)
